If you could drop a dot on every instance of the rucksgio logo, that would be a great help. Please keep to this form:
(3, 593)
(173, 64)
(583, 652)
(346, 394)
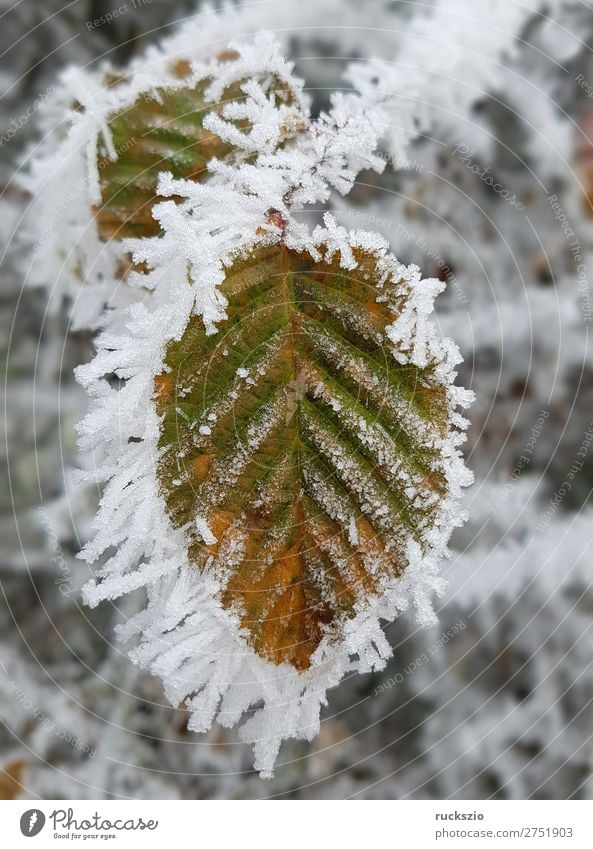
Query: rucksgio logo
(32, 822)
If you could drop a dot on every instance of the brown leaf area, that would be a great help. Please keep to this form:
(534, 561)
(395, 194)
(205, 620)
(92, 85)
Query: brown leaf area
(297, 546)
(10, 779)
(289, 626)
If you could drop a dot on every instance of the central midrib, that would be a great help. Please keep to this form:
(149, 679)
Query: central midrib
(295, 322)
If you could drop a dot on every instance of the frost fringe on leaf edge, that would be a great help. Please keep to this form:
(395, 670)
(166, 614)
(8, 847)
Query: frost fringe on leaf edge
(183, 635)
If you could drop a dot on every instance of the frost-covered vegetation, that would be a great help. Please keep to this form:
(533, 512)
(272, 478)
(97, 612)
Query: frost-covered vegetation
(466, 156)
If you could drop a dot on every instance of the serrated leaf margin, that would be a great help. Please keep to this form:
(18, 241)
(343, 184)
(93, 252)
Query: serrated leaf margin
(184, 635)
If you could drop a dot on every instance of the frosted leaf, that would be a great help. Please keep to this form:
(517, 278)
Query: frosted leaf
(95, 184)
(280, 460)
(293, 478)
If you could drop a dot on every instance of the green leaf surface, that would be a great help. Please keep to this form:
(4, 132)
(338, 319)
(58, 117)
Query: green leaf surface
(163, 130)
(297, 453)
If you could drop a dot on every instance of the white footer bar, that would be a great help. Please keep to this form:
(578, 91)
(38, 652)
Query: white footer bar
(312, 824)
